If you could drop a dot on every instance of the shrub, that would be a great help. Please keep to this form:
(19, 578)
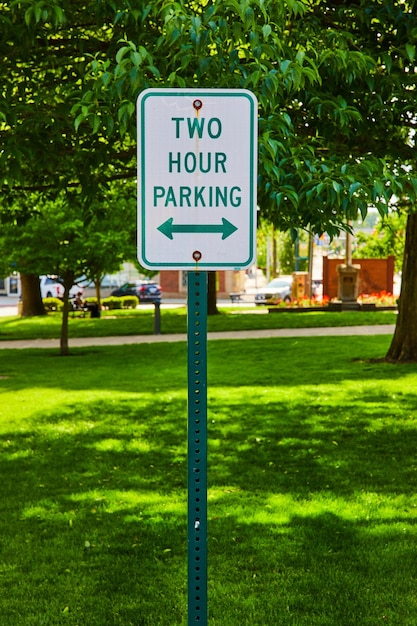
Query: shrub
(112, 302)
(52, 304)
(130, 302)
(122, 302)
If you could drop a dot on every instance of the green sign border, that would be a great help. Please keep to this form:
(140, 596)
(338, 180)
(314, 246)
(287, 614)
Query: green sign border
(198, 93)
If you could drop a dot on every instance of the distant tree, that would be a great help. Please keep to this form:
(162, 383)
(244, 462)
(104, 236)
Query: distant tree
(263, 237)
(61, 238)
(46, 241)
(387, 238)
(110, 233)
(285, 252)
(269, 238)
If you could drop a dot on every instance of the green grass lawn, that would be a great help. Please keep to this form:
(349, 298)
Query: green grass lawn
(312, 485)
(141, 321)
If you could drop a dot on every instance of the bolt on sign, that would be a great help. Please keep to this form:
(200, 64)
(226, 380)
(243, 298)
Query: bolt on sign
(197, 156)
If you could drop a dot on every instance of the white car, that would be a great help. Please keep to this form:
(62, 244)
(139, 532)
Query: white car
(278, 290)
(52, 288)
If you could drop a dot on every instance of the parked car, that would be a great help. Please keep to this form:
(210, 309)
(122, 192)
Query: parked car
(149, 291)
(146, 291)
(51, 287)
(278, 290)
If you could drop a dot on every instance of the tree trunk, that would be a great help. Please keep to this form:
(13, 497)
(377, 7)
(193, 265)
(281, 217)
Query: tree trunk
(404, 343)
(64, 349)
(97, 284)
(211, 294)
(31, 296)
(69, 279)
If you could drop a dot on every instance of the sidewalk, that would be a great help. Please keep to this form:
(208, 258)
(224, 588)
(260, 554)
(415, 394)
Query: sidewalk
(340, 331)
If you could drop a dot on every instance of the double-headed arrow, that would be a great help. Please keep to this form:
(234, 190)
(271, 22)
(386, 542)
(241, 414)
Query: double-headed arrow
(168, 228)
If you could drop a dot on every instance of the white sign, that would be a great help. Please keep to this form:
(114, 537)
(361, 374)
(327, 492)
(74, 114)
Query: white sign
(197, 155)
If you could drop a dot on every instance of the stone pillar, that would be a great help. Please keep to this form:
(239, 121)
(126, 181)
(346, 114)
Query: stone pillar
(348, 284)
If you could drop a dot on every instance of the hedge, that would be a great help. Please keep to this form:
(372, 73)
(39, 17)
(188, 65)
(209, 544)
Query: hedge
(52, 304)
(123, 302)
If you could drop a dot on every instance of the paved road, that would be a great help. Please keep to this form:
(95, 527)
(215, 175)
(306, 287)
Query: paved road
(8, 305)
(385, 329)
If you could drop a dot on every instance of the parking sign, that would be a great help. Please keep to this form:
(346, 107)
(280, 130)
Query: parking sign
(197, 156)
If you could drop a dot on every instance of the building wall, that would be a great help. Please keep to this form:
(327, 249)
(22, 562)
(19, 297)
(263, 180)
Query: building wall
(375, 275)
(10, 285)
(174, 283)
(170, 281)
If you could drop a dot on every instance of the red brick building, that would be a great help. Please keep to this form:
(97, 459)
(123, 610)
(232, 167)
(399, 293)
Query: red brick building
(375, 275)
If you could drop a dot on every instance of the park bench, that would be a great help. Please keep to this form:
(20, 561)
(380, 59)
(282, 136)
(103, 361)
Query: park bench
(82, 309)
(75, 308)
(236, 296)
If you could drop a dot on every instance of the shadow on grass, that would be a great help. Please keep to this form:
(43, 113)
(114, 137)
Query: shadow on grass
(94, 517)
(316, 569)
(290, 448)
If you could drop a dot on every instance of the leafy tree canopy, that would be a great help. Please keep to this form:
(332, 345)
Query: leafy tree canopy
(335, 83)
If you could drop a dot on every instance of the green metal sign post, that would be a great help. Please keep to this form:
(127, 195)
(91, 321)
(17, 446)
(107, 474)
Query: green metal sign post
(197, 449)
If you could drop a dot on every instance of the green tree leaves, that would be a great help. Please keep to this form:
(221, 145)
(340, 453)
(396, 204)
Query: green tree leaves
(335, 85)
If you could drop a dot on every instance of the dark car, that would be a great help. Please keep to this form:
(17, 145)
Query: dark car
(146, 291)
